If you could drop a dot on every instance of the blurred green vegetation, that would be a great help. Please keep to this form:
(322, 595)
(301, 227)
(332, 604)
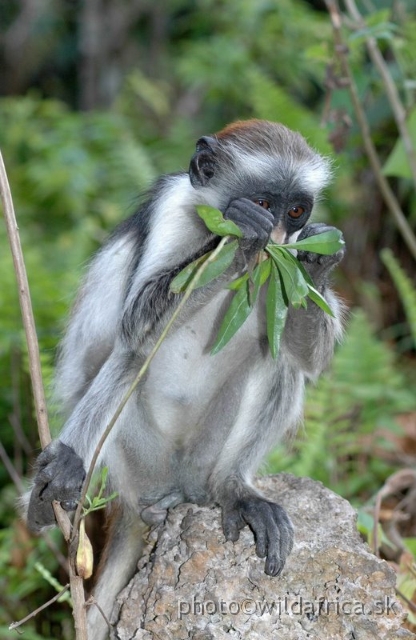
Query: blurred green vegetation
(84, 130)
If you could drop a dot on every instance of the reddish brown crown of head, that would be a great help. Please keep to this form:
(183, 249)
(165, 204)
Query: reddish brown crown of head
(263, 136)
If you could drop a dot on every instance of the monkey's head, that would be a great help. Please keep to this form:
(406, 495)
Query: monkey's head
(266, 163)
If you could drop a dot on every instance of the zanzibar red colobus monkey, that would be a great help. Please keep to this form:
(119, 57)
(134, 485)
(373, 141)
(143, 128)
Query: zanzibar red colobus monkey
(198, 425)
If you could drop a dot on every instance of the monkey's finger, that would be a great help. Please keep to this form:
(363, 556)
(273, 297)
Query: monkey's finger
(232, 524)
(69, 505)
(251, 209)
(256, 219)
(63, 489)
(261, 536)
(259, 523)
(286, 541)
(274, 561)
(280, 541)
(255, 236)
(313, 229)
(40, 513)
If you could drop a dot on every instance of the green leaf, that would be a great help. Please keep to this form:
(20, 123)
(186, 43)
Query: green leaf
(219, 265)
(235, 316)
(215, 222)
(182, 280)
(257, 278)
(238, 282)
(313, 293)
(295, 286)
(265, 270)
(276, 310)
(325, 243)
(319, 300)
(212, 271)
(410, 544)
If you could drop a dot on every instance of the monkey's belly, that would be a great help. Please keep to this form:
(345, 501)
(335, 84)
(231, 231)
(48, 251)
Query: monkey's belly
(185, 381)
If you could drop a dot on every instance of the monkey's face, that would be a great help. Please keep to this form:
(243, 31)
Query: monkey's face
(291, 209)
(266, 163)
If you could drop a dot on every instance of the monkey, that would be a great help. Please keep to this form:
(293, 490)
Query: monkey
(198, 425)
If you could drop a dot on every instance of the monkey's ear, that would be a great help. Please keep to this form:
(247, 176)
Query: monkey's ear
(203, 162)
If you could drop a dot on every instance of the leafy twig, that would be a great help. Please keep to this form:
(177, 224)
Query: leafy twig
(193, 283)
(341, 50)
(287, 280)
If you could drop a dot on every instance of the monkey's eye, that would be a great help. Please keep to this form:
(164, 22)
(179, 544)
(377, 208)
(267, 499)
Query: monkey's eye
(265, 204)
(296, 212)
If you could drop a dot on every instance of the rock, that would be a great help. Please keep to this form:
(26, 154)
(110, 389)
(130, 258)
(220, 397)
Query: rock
(193, 584)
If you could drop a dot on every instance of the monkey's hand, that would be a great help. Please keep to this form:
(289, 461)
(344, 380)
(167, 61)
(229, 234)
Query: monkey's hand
(60, 474)
(255, 222)
(273, 531)
(319, 266)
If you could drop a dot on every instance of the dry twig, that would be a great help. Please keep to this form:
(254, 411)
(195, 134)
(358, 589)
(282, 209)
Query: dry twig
(14, 625)
(390, 199)
(77, 589)
(389, 85)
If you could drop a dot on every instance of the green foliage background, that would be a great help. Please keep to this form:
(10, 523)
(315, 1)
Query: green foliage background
(76, 169)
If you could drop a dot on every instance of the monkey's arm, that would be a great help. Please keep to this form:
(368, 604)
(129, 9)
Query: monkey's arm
(310, 334)
(149, 298)
(61, 466)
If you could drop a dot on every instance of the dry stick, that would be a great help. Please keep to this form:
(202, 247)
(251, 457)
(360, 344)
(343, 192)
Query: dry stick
(390, 199)
(14, 625)
(11, 470)
(189, 290)
(26, 308)
(92, 602)
(77, 589)
(391, 89)
(409, 603)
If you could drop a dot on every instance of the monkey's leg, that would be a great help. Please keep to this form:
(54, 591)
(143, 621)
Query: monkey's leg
(157, 512)
(271, 404)
(117, 566)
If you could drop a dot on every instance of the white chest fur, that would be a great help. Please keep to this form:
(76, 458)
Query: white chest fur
(184, 377)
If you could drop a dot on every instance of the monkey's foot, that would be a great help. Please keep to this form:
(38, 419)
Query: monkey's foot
(272, 528)
(157, 512)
